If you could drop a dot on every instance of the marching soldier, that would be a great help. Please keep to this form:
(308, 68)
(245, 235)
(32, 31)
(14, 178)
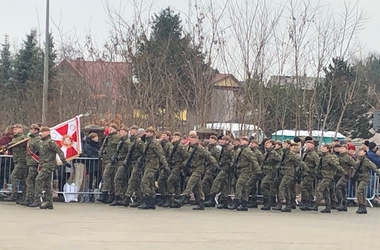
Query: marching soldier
(255, 177)
(271, 161)
(106, 152)
(291, 165)
(131, 163)
(329, 165)
(47, 161)
(152, 161)
(164, 174)
(20, 170)
(176, 161)
(194, 169)
(311, 159)
(210, 171)
(32, 159)
(278, 148)
(347, 163)
(121, 176)
(220, 184)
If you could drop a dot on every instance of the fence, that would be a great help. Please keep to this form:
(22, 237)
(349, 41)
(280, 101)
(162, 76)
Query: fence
(84, 179)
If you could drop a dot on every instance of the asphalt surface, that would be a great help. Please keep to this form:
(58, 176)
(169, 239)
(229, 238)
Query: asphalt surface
(96, 226)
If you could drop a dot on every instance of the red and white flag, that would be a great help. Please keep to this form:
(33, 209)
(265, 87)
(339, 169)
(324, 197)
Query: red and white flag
(67, 136)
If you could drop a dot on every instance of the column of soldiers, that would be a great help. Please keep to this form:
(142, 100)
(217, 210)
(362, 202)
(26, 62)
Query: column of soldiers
(35, 160)
(214, 171)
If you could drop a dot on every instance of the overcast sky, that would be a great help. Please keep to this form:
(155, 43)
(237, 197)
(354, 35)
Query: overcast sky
(78, 17)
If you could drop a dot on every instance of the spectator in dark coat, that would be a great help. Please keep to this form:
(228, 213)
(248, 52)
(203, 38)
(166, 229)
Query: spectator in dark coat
(91, 150)
(6, 163)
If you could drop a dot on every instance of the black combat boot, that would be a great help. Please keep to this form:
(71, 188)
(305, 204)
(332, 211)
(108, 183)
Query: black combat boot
(104, 198)
(278, 207)
(183, 200)
(199, 206)
(36, 203)
(167, 201)
(48, 205)
(273, 201)
(173, 204)
(151, 203)
(287, 209)
(302, 203)
(312, 207)
(137, 202)
(242, 206)
(209, 201)
(362, 209)
(145, 204)
(233, 205)
(326, 210)
(111, 198)
(13, 197)
(333, 205)
(26, 202)
(125, 201)
(343, 207)
(305, 205)
(116, 201)
(222, 204)
(160, 201)
(266, 204)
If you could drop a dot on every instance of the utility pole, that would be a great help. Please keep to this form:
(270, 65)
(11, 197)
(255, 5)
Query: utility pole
(46, 67)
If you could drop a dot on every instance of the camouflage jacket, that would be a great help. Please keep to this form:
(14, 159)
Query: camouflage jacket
(109, 146)
(200, 157)
(346, 161)
(154, 154)
(215, 153)
(226, 156)
(19, 151)
(48, 152)
(259, 156)
(363, 167)
(177, 156)
(279, 151)
(135, 150)
(33, 145)
(311, 159)
(292, 161)
(122, 148)
(166, 147)
(246, 161)
(329, 165)
(271, 161)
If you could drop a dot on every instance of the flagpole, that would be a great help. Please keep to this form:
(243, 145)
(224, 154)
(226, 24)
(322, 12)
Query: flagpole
(46, 67)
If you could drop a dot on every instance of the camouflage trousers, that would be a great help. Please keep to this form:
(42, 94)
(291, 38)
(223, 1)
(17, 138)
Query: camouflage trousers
(121, 179)
(163, 182)
(252, 186)
(333, 198)
(241, 190)
(361, 193)
(108, 178)
(194, 185)
(207, 181)
(286, 189)
(323, 191)
(147, 182)
(341, 190)
(134, 182)
(220, 184)
(43, 183)
(31, 181)
(268, 186)
(174, 182)
(307, 188)
(19, 174)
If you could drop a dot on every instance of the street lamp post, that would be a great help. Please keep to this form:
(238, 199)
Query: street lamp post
(46, 67)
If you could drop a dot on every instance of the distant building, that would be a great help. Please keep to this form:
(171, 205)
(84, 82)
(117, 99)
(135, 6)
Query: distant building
(305, 82)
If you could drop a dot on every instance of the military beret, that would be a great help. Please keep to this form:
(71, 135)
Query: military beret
(337, 145)
(125, 128)
(134, 127)
(351, 147)
(213, 137)
(17, 126)
(327, 146)
(278, 142)
(226, 138)
(237, 139)
(168, 133)
(245, 138)
(177, 134)
(114, 126)
(220, 137)
(34, 126)
(192, 136)
(150, 129)
(45, 129)
(308, 138)
(372, 145)
(336, 139)
(366, 143)
(297, 139)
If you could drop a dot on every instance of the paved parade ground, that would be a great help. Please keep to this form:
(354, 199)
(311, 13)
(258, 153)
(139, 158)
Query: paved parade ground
(96, 226)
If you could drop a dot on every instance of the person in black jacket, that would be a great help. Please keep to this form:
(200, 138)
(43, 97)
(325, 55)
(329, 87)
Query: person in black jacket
(91, 150)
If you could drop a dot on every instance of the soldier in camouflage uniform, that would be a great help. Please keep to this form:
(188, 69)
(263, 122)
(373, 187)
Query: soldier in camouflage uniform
(121, 175)
(47, 161)
(269, 167)
(194, 169)
(291, 164)
(362, 169)
(210, 172)
(246, 164)
(347, 163)
(278, 148)
(131, 163)
(255, 177)
(20, 170)
(311, 160)
(153, 160)
(176, 160)
(326, 170)
(163, 174)
(106, 152)
(32, 163)
(220, 184)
